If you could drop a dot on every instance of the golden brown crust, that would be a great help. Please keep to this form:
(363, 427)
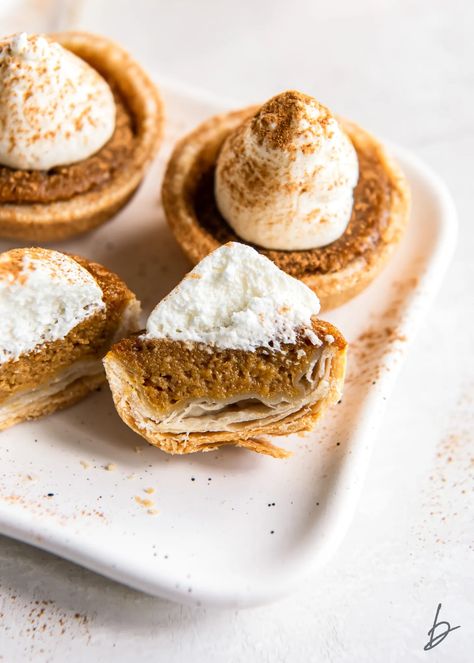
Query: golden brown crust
(72, 394)
(116, 294)
(336, 272)
(66, 218)
(303, 420)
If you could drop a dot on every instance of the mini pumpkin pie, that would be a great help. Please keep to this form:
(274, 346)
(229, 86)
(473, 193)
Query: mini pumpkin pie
(59, 315)
(317, 195)
(235, 352)
(80, 122)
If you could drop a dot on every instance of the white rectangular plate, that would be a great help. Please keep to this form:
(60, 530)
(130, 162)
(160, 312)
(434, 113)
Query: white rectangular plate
(232, 527)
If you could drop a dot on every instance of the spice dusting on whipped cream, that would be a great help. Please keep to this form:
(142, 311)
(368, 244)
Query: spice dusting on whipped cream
(43, 296)
(285, 177)
(55, 109)
(236, 298)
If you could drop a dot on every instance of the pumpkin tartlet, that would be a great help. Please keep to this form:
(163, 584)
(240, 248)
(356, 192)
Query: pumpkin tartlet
(59, 315)
(76, 195)
(234, 353)
(336, 271)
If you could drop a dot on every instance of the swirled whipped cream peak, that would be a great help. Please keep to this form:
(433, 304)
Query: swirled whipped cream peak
(55, 109)
(236, 298)
(285, 177)
(43, 295)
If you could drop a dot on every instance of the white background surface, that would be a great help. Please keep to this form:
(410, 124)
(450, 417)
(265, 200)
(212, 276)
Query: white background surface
(406, 71)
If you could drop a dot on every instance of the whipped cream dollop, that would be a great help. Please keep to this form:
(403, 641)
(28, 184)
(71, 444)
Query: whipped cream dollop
(285, 177)
(43, 295)
(236, 298)
(55, 109)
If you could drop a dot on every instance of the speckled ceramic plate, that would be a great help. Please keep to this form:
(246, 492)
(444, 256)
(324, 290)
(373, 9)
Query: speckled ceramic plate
(229, 527)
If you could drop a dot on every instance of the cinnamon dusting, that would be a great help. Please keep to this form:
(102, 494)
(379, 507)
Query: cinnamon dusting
(278, 121)
(283, 123)
(64, 182)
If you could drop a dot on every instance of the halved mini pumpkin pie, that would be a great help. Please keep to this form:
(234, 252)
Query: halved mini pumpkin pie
(59, 314)
(234, 353)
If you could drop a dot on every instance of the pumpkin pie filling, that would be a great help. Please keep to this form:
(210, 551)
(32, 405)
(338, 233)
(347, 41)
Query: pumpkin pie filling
(185, 378)
(65, 182)
(369, 220)
(179, 389)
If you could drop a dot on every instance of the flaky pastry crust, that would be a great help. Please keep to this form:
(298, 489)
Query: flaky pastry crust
(48, 404)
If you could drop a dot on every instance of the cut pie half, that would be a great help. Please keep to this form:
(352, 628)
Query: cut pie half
(234, 353)
(59, 315)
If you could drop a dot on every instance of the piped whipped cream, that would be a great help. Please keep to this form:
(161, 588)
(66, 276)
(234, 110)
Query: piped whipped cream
(285, 177)
(236, 298)
(55, 109)
(43, 296)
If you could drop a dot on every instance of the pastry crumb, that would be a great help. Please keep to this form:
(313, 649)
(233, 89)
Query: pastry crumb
(143, 502)
(84, 464)
(110, 467)
(30, 477)
(150, 491)
(153, 512)
(138, 450)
